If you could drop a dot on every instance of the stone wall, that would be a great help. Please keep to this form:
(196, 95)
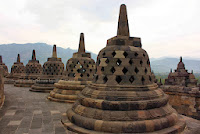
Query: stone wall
(2, 97)
(185, 100)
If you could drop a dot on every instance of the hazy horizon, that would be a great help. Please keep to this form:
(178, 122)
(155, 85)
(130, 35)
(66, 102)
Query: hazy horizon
(169, 28)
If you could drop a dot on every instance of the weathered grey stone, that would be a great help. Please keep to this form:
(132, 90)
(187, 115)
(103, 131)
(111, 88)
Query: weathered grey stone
(123, 97)
(2, 96)
(181, 76)
(80, 70)
(17, 70)
(32, 71)
(52, 72)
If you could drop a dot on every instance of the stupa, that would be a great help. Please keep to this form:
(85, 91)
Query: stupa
(79, 73)
(2, 96)
(123, 97)
(17, 70)
(52, 72)
(32, 71)
(5, 73)
(181, 76)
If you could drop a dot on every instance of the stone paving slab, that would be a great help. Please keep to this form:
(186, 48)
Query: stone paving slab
(26, 112)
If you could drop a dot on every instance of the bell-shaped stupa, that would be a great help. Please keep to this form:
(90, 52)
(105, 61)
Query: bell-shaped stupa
(32, 71)
(181, 76)
(5, 73)
(52, 72)
(79, 73)
(17, 70)
(123, 97)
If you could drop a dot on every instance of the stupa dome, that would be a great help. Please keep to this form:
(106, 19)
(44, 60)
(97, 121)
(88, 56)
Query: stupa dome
(52, 72)
(123, 97)
(32, 71)
(3, 66)
(18, 67)
(81, 66)
(80, 70)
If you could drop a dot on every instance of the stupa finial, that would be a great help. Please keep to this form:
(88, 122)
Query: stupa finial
(123, 28)
(181, 59)
(1, 59)
(171, 70)
(54, 52)
(81, 48)
(33, 55)
(192, 71)
(18, 58)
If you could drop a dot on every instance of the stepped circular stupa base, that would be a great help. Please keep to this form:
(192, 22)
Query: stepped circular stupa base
(24, 83)
(9, 81)
(43, 85)
(66, 91)
(127, 127)
(11, 78)
(131, 111)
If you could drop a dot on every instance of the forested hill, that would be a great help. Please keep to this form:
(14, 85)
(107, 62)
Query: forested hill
(43, 51)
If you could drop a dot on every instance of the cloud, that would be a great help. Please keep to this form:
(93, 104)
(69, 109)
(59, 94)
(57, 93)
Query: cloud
(165, 27)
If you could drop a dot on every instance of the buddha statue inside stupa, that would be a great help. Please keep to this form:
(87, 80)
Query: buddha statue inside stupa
(123, 97)
(52, 72)
(5, 73)
(181, 76)
(79, 73)
(17, 70)
(32, 71)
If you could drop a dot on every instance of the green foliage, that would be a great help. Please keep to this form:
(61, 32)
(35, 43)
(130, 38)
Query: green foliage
(161, 76)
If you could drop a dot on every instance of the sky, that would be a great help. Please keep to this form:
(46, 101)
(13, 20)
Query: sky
(167, 28)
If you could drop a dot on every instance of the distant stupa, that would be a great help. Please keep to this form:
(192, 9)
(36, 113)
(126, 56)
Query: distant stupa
(2, 96)
(123, 97)
(32, 71)
(181, 76)
(17, 70)
(79, 73)
(52, 72)
(3, 66)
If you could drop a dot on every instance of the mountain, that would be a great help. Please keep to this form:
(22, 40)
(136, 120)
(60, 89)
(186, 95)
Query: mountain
(163, 65)
(43, 51)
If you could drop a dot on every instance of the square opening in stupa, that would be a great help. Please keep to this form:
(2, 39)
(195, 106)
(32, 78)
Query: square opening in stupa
(123, 97)
(52, 72)
(17, 70)
(80, 70)
(32, 71)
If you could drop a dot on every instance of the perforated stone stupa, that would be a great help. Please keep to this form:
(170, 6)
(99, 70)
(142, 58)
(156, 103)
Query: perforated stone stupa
(5, 73)
(79, 71)
(181, 76)
(32, 71)
(17, 70)
(52, 72)
(123, 97)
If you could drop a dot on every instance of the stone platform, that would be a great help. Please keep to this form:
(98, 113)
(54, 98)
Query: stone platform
(26, 112)
(24, 83)
(66, 91)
